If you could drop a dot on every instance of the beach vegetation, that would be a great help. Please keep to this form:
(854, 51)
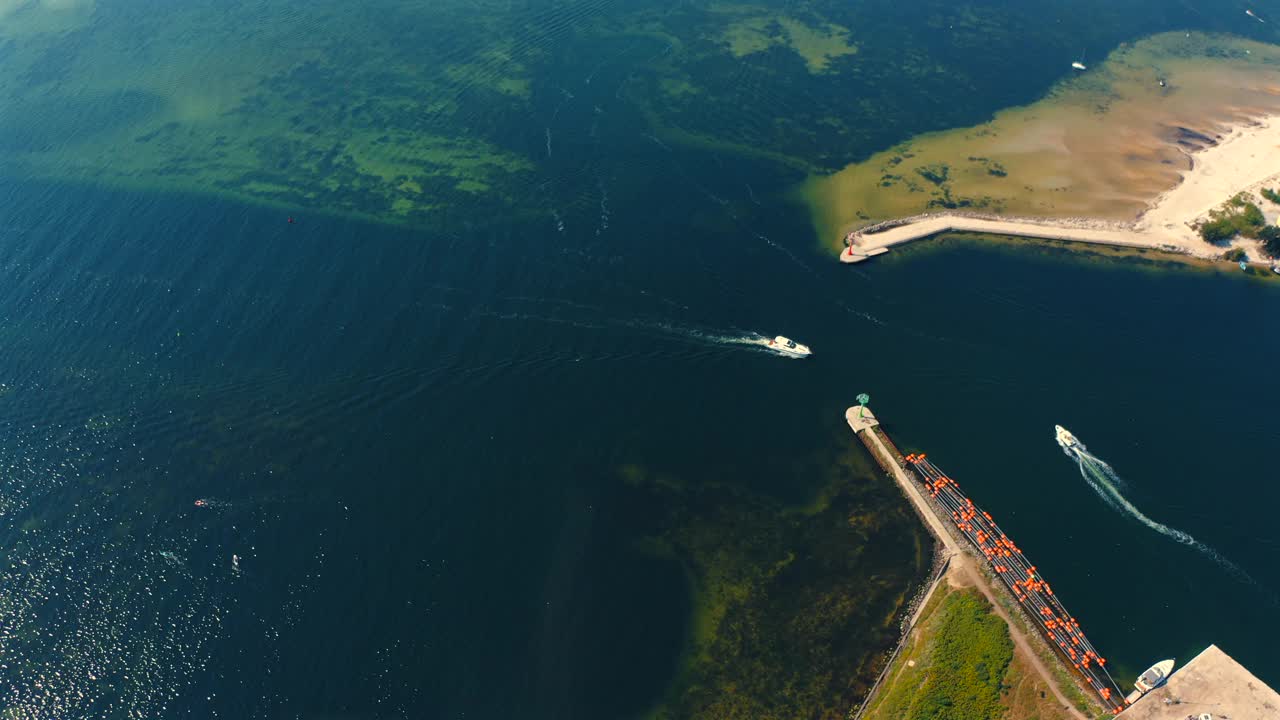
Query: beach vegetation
(1238, 216)
(1269, 238)
(1271, 195)
(1235, 255)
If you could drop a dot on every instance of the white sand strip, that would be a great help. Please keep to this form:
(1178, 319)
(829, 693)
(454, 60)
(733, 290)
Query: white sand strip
(1245, 160)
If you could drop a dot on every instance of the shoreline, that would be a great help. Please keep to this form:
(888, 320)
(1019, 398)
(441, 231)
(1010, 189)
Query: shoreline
(1244, 159)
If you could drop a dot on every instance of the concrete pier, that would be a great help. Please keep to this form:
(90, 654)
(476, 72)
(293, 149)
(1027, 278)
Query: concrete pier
(863, 245)
(1211, 684)
(963, 564)
(862, 421)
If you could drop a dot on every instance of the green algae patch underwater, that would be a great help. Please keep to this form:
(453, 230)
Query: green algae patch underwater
(456, 114)
(794, 607)
(268, 104)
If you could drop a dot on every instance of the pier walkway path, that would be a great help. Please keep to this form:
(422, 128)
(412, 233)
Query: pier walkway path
(864, 244)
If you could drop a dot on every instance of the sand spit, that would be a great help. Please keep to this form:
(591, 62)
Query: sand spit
(1245, 160)
(1141, 144)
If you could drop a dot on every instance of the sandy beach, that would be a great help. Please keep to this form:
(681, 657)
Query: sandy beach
(1132, 152)
(1245, 159)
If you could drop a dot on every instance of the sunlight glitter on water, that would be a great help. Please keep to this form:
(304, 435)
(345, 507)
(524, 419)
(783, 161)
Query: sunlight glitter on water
(103, 611)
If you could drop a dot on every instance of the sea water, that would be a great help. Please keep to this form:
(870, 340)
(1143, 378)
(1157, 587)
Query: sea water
(407, 292)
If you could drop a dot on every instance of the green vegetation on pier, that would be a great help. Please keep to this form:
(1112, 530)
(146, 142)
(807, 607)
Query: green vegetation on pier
(959, 671)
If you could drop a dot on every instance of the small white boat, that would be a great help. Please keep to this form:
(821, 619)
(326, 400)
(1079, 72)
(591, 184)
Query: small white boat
(787, 346)
(1154, 677)
(1064, 437)
(1079, 65)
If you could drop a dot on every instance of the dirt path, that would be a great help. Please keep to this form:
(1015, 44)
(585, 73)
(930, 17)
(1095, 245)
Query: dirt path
(968, 574)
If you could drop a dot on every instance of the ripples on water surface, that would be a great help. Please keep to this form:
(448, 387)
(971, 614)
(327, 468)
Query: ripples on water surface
(414, 434)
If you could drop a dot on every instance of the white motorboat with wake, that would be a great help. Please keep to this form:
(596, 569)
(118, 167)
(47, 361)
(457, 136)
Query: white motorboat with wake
(1066, 440)
(787, 346)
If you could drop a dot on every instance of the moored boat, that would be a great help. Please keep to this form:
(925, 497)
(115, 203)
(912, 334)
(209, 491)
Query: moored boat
(1152, 678)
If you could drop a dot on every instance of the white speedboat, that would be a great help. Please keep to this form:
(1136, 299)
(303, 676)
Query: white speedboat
(787, 346)
(1065, 439)
(1079, 65)
(1153, 678)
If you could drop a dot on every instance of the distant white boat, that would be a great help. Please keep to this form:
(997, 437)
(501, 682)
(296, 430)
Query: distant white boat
(787, 346)
(1078, 65)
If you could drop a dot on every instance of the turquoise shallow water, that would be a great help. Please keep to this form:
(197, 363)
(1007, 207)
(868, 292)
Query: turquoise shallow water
(411, 435)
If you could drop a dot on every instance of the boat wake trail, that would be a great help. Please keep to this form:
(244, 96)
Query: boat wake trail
(1107, 484)
(746, 339)
(1081, 454)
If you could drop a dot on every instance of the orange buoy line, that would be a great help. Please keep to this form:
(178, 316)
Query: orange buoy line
(1023, 580)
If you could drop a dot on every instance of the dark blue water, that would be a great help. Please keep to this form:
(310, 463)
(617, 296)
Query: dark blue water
(418, 469)
(412, 443)
(410, 439)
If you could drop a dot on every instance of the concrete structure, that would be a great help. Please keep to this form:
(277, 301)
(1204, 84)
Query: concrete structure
(1213, 684)
(864, 421)
(854, 254)
(863, 245)
(860, 418)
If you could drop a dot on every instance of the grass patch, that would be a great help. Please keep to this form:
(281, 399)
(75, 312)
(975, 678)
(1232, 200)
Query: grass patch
(956, 667)
(1066, 681)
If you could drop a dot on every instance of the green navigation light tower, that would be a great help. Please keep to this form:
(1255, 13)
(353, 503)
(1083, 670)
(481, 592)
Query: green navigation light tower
(863, 399)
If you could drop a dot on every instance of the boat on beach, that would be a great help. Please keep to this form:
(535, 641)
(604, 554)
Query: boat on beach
(787, 346)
